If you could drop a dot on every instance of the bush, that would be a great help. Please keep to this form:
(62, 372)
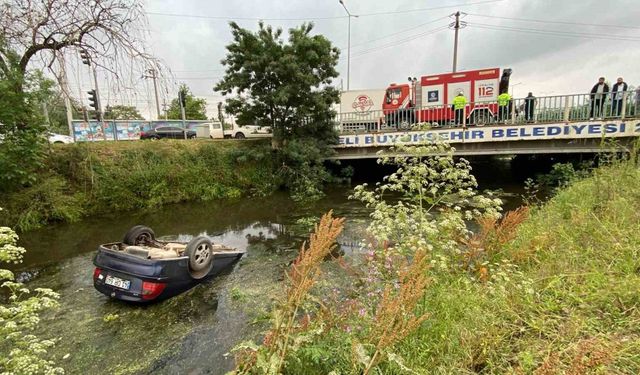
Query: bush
(83, 179)
(21, 352)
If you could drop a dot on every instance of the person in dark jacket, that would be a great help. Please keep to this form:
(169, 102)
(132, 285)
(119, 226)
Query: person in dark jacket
(617, 95)
(598, 97)
(529, 107)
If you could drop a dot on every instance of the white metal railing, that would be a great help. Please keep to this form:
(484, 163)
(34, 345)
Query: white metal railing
(547, 109)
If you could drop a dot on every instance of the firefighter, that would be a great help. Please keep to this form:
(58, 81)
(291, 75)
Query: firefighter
(529, 107)
(504, 100)
(459, 102)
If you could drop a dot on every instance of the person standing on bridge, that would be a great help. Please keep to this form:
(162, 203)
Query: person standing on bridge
(617, 95)
(598, 97)
(529, 107)
(459, 102)
(504, 101)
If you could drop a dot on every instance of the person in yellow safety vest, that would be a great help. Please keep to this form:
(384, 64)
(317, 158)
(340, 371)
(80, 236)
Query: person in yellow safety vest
(459, 102)
(504, 101)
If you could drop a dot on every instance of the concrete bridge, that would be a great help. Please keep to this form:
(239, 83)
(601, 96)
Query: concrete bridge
(561, 124)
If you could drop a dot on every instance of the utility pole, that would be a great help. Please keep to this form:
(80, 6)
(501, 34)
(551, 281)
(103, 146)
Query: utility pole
(182, 99)
(95, 93)
(164, 108)
(154, 75)
(348, 42)
(45, 112)
(99, 106)
(457, 25)
(64, 84)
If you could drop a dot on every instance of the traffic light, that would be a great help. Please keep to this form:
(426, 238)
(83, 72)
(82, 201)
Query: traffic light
(93, 103)
(84, 55)
(183, 98)
(93, 99)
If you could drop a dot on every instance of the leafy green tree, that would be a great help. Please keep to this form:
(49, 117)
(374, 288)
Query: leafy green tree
(195, 108)
(21, 124)
(286, 85)
(21, 352)
(282, 85)
(122, 112)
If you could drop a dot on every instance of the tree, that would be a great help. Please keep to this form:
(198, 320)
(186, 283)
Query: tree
(286, 86)
(122, 112)
(111, 31)
(195, 108)
(282, 85)
(22, 151)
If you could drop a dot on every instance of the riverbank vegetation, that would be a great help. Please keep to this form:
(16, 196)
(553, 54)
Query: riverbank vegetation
(545, 289)
(22, 352)
(79, 180)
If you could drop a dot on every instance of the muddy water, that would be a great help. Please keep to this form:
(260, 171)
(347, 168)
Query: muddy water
(193, 332)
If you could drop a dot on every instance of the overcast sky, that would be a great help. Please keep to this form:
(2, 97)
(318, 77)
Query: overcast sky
(391, 42)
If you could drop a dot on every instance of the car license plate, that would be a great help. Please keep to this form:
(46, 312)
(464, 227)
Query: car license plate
(117, 282)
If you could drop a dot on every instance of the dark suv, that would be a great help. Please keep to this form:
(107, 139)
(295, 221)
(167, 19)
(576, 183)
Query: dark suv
(171, 132)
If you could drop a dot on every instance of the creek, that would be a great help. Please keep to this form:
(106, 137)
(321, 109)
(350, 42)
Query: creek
(194, 332)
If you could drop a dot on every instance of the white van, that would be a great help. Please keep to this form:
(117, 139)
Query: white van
(216, 131)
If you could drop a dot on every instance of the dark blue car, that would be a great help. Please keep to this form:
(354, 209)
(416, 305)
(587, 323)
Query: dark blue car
(143, 269)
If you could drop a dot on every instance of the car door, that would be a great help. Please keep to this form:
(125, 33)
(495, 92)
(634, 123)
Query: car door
(163, 132)
(174, 132)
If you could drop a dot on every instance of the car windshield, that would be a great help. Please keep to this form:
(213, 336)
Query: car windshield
(393, 94)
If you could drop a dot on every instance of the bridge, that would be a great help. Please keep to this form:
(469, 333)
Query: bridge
(556, 125)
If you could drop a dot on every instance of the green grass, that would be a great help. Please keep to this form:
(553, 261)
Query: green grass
(92, 178)
(572, 305)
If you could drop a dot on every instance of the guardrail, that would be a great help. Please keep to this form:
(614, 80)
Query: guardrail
(547, 109)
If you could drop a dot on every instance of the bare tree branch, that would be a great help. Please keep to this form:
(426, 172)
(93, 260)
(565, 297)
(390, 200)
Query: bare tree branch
(113, 32)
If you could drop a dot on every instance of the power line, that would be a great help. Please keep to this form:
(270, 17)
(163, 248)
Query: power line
(427, 9)
(400, 32)
(401, 41)
(555, 22)
(229, 18)
(197, 78)
(554, 32)
(198, 71)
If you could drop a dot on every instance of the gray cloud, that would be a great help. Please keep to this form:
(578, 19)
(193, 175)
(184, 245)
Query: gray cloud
(193, 47)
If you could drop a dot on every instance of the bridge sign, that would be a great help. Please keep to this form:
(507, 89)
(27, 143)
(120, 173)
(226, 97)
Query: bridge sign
(497, 133)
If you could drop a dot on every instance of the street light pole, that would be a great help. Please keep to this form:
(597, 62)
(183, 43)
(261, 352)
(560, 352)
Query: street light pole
(348, 42)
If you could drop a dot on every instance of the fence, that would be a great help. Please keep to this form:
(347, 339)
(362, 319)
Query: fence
(121, 130)
(548, 109)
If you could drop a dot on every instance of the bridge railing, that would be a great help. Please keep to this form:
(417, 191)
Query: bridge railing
(547, 109)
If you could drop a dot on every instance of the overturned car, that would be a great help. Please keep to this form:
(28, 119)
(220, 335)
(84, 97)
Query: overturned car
(144, 269)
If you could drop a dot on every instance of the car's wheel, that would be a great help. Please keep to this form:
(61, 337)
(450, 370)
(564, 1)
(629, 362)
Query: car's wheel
(200, 253)
(139, 235)
(240, 135)
(155, 138)
(193, 136)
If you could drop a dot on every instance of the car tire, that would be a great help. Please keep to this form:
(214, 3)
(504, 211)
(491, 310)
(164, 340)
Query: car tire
(192, 137)
(200, 253)
(139, 235)
(240, 135)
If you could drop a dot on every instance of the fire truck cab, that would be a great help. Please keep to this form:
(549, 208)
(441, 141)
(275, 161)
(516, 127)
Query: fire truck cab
(430, 99)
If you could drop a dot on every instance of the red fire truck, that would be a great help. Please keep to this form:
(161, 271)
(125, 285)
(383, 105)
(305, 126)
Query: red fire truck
(430, 99)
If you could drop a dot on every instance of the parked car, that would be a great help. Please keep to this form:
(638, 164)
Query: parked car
(170, 132)
(59, 138)
(144, 269)
(216, 131)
